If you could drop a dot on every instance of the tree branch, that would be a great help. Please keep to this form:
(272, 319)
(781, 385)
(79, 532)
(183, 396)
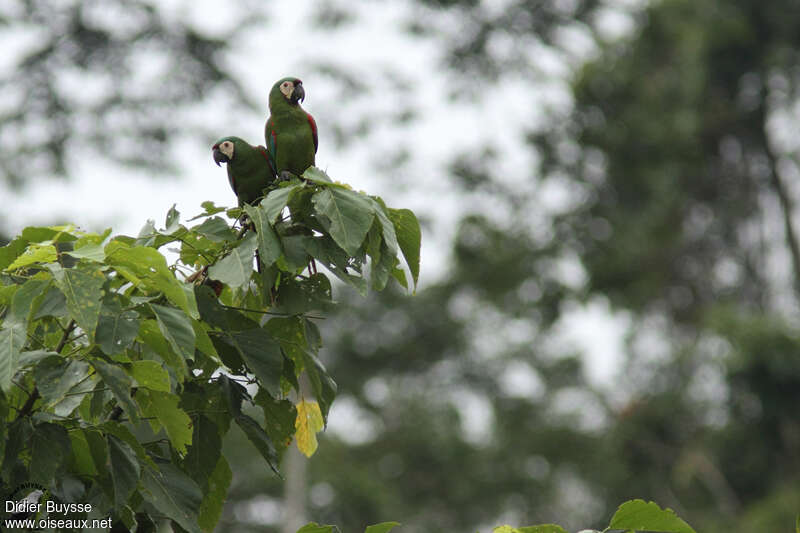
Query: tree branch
(787, 208)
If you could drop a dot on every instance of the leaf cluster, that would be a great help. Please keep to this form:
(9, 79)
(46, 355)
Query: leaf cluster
(631, 517)
(119, 379)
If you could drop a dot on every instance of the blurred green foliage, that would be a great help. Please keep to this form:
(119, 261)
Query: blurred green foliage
(679, 156)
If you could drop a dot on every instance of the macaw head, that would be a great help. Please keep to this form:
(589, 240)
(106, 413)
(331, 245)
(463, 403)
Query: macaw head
(224, 149)
(288, 90)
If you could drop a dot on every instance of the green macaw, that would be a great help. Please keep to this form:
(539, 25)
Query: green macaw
(249, 168)
(290, 132)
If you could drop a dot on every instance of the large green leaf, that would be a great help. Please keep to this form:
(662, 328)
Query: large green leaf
(35, 253)
(151, 375)
(7, 292)
(322, 383)
(295, 256)
(325, 250)
(11, 251)
(22, 301)
(279, 419)
(83, 290)
(317, 175)
(235, 268)
(18, 437)
(269, 247)
(50, 447)
(56, 376)
(409, 237)
(298, 296)
(203, 341)
(216, 316)
(214, 499)
(51, 303)
(97, 448)
(347, 216)
(120, 384)
(147, 268)
(215, 229)
(65, 233)
(81, 460)
(262, 355)
(275, 201)
(291, 334)
(174, 494)
(208, 400)
(383, 259)
(300, 340)
(116, 332)
(176, 328)
(387, 226)
(12, 340)
(204, 453)
(93, 251)
(164, 408)
(32, 357)
(260, 440)
(648, 516)
(383, 527)
(124, 469)
(313, 527)
(75, 396)
(543, 528)
(122, 432)
(233, 393)
(151, 336)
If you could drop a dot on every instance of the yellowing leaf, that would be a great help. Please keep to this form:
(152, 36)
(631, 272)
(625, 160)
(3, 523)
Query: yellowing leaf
(307, 425)
(36, 253)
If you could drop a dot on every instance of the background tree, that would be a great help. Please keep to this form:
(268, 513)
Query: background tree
(677, 162)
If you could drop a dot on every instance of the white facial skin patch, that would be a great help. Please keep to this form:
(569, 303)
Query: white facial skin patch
(227, 149)
(287, 88)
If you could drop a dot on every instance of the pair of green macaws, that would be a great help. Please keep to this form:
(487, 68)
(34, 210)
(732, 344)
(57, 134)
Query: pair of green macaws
(291, 144)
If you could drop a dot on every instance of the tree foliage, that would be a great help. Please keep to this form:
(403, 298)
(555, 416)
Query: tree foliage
(119, 380)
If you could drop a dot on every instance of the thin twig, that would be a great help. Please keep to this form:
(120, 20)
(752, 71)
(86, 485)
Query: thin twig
(268, 312)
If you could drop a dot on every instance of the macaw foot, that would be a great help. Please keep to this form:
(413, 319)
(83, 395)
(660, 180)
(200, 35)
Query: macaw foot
(285, 175)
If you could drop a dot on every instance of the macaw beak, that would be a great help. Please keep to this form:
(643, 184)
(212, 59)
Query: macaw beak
(299, 94)
(219, 157)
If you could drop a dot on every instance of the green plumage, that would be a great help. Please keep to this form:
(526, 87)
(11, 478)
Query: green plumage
(290, 132)
(249, 170)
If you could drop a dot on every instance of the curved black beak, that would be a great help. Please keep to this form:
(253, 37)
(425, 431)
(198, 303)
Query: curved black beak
(299, 94)
(219, 157)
